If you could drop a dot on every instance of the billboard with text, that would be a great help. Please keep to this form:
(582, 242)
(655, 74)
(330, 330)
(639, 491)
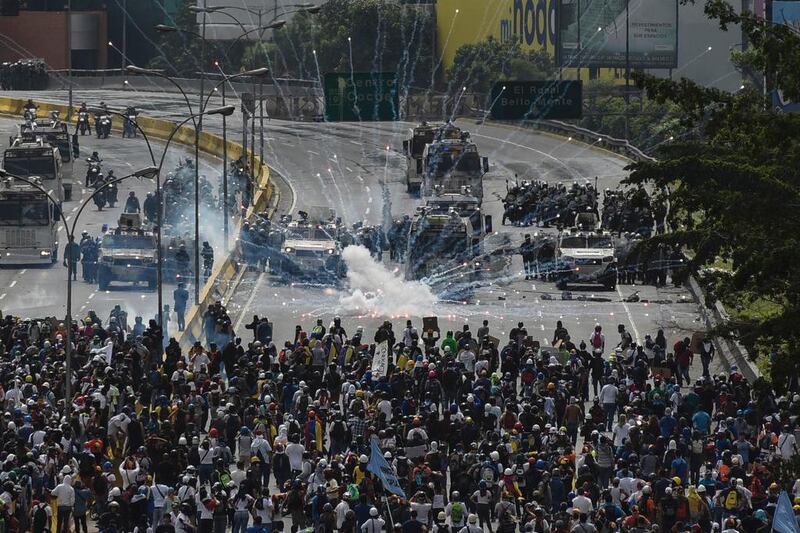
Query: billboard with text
(785, 12)
(613, 33)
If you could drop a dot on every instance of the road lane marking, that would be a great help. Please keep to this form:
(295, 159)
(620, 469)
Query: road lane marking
(313, 152)
(354, 142)
(22, 272)
(2, 296)
(572, 171)
(249, 302)
(630, 316)
(348, 169)
(11, 285)
(92, 295)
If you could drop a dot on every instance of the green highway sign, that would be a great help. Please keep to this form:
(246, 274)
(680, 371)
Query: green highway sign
(537, 100)
(361, 97)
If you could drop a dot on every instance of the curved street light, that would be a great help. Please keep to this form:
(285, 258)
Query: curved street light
(147, 172)
(159, 192)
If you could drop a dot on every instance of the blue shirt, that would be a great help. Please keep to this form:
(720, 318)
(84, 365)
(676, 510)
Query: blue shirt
(681, 469)
(362, 513)
(667, 424)
(702, 422)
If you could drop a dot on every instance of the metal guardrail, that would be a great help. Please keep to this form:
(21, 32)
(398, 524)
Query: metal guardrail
(104, 72)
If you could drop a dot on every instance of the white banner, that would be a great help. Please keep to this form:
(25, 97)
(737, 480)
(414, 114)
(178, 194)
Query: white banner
(380, 363)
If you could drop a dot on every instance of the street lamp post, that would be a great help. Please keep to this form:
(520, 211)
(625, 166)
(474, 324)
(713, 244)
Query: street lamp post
(147, 172)
(260, 72)
(272, 24)
(204, 103)
(225, 80)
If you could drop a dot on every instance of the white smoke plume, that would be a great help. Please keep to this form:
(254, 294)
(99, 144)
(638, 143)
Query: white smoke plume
(378, 291)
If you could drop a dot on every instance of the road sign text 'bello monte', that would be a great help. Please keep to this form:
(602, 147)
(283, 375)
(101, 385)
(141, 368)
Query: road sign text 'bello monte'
(361, 96)
(537, 100)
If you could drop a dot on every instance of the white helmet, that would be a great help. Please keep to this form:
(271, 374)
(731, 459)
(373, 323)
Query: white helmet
(494, 456)
(363, 459)
(373, 512)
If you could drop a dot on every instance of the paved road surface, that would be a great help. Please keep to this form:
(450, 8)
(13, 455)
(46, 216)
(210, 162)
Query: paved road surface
(357, 169)
(41, 291)
(348, 167)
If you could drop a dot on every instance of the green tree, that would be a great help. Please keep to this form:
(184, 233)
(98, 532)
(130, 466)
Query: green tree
(180, 52)
(734, 179)
(650, 123)
(362, 35)
(477, 66)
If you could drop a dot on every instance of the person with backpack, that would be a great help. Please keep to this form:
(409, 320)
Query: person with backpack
(471, 526)
(41, 516)
(732, 500)
(456, 511)
(506, 513)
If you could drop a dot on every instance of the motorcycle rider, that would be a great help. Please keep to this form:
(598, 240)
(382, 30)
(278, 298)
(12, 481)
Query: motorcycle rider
(103, 112)
(129, 130)
(132, 204)
(83, 114)
(29, 110)
(111, 189)
(100, 192)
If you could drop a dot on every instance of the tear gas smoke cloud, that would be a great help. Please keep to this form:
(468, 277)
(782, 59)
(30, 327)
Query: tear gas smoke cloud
(377, 290)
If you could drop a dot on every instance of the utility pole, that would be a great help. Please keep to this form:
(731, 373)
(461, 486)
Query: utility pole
(627, 62)
(69, 58)
(197, 273)
(124, 34)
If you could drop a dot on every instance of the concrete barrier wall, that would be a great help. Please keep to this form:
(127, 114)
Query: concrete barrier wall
(225, 272)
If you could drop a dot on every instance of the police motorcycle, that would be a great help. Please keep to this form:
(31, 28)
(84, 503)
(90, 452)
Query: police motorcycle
(100, 197)
(111, 189)
(29, 112)
(93, 172)
(83, 124)
(102, 125)
(129, 124)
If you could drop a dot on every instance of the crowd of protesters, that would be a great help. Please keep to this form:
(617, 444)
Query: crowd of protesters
(482, 433)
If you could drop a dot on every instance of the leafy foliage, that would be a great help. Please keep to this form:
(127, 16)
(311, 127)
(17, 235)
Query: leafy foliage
(383, 37)
(650, 123)
(180, 52)
(735, 185)
(477, 66)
